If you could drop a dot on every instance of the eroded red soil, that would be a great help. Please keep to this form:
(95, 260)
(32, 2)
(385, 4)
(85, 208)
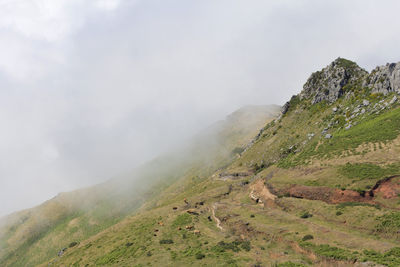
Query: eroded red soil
(386, 188)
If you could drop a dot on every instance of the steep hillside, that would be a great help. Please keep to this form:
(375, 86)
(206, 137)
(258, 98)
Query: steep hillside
(33, 236)
(319, 185)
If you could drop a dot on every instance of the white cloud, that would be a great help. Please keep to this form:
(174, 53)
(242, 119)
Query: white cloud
(35, 35)
(52, 20)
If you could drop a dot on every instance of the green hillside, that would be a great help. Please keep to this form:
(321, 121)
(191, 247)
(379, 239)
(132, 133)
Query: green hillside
(33, 236)
(317, 186)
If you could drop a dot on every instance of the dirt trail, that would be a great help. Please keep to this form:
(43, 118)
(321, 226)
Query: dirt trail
(215, 218)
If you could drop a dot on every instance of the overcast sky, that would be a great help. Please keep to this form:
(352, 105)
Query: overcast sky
(91, 88)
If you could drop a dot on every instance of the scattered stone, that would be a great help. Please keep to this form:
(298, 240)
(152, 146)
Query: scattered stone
(334, 109)
(61, 252)
(394, 99)
(348, 126)
(328, 136)
(363, 111)
(192, 212)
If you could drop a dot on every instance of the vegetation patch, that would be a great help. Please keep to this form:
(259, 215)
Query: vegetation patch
(289, 264)
(390, 258)
(355, 204)
(200, 256)
(305, 215)
(73, 244)
(235, 246)
(166, 241)
(307, 237)
(328, 251)
(388, 223)
(182, 219)
(368, 170)
(374, 129)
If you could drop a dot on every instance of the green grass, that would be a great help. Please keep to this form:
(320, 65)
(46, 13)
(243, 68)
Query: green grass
(356, 204)
(289, 264)
(234, 246)
(390, 258)
(368, 170)
(182, 220)
(328, 251)
(375, 129)
(388, 223)
(382, 128)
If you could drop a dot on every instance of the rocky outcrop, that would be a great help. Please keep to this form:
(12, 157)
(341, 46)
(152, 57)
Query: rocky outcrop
(384, 79)
(328, 84)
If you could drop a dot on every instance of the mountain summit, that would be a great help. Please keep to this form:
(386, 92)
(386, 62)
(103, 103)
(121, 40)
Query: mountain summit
(330, 82)
(343, 76)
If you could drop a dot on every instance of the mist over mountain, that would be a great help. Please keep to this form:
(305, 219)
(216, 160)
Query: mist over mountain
(199, 133)
(90, 90)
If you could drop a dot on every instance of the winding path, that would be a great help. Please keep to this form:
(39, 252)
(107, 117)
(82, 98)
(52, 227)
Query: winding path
(218, 221)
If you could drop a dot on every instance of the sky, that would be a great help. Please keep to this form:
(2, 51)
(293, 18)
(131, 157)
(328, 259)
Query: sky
(92, 88)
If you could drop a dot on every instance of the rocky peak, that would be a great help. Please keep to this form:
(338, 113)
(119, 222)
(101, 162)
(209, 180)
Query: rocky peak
(384, 79)
(327, 84)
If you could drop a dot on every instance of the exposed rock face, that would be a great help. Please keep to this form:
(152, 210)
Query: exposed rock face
(328, 83)
(286, 107)
(384, 79)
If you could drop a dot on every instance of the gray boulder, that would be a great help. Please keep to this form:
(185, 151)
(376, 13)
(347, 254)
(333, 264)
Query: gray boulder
(394, 99)
(384, 79)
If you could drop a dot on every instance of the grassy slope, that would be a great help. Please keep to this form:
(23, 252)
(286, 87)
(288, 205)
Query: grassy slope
(286, 231)
(33, 236)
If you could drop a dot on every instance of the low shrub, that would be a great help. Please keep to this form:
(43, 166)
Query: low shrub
(307, 237)
(305, 215)
(166, 241)
(200, 256)
(73, 244)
